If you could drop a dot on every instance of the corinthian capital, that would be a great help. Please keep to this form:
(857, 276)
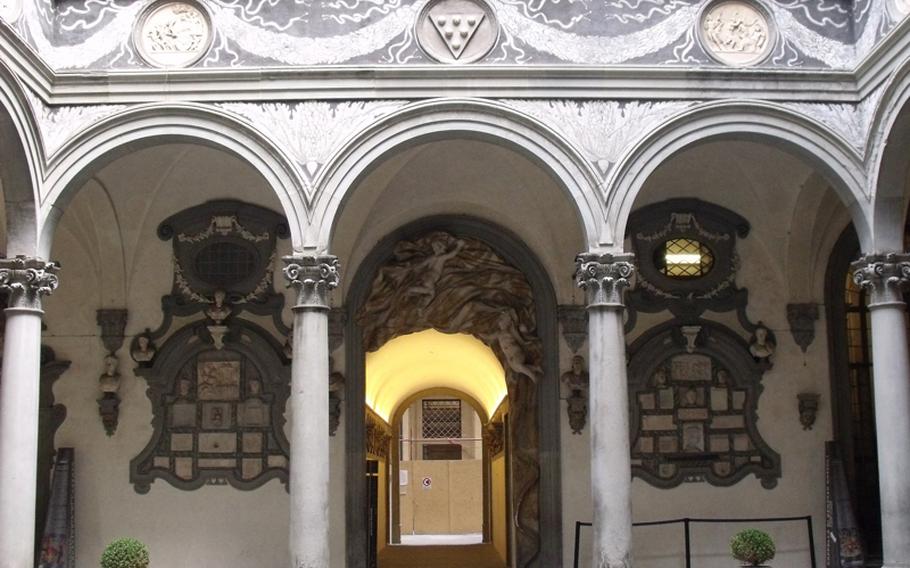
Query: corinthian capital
(884, 276)
(26, 280)
(313, 276)
(604, 277)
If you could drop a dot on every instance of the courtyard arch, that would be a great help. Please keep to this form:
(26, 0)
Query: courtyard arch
(740, 120)
(157, 124)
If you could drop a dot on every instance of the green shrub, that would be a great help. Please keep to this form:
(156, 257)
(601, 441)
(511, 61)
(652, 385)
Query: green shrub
(752, 547)
(125, 553)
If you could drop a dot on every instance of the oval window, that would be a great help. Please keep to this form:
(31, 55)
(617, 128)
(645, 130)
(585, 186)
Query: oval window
(225, 264)
(684, 259)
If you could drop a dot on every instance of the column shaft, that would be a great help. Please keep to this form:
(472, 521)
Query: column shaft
(313, 277)
(610, 454)
(19, 437)
(309, 472)
(885, 276)
(26, 280)
(891, 368)
(604, 278)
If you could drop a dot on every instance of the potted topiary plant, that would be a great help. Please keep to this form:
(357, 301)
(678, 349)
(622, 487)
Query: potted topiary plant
(752, 547)
(125, 553)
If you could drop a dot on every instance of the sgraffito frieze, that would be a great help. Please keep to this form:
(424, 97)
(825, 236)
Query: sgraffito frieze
(817, 33)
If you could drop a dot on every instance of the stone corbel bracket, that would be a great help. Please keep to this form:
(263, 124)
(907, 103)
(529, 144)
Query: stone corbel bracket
(802, 318)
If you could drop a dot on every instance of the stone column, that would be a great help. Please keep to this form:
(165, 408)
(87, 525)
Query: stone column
(885, 277)
(313, 277)
(26, 280)
(604, 277)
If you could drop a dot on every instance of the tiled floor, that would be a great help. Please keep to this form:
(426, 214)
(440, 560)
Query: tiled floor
(466, 556)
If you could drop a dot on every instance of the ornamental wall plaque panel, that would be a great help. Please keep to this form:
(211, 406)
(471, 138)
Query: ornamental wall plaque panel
(693, 396)
(218, 412)
(457, 31)
(173, 34)
(737, 32)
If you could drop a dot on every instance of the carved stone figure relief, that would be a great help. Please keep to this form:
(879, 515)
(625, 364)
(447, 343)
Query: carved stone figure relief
(736, 32)
(694, 410)
(461, 285)
(173, 34)
(457, 31)
(113, 324)
(336, 394)
(378, 435)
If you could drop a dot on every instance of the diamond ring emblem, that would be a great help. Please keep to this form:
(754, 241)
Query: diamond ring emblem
(457, 31)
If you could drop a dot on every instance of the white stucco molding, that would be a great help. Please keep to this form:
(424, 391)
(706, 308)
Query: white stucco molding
(20, 165)
(148, 125)
(888, 161)
(447, 119)
(828, 152)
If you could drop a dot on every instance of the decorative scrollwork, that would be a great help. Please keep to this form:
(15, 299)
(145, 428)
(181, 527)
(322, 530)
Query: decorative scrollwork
(313, 277)
(884, 276)
(27, 280)
(604, 277)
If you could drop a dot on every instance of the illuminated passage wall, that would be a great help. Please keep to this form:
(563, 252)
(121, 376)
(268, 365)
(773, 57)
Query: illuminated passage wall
(413, 363)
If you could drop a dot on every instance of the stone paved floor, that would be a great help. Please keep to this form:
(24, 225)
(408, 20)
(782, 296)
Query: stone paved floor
(466, 556)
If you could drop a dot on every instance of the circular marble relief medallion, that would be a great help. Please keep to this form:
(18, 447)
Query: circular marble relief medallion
(457, 31)
(10, 10)
(736, 32)
(173, 34)
(900, 8)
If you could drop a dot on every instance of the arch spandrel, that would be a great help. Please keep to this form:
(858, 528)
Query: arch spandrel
(20, 167)
(889, 163)
(150, 125)
(455, 118)
(743, 120)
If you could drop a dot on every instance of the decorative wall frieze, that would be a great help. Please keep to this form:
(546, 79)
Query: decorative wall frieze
(313, 277)
(601, 130)
(26, 280)
(802, 318)
(885, 276)
(604, 277)
(312, 131)
(817, 33)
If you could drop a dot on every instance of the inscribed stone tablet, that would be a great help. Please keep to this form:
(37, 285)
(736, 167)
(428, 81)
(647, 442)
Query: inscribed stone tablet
(690, 368)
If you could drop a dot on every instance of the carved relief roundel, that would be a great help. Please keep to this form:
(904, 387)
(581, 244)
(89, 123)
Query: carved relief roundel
(173, 34)
(736, 32)
(900, 7)
(457, 31)
(10, 10)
